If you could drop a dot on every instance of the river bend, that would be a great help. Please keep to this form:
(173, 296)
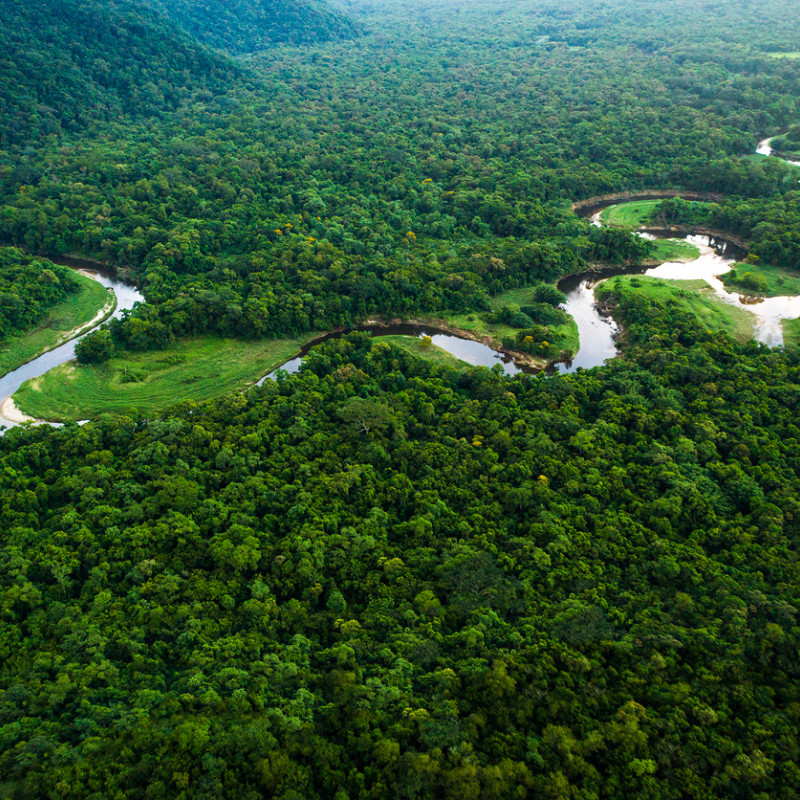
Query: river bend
(127, 296)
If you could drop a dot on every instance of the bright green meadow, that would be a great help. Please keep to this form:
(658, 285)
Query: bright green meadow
(194, 369)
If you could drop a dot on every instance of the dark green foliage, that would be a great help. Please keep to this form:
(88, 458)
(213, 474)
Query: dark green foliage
(546, 293)
(29, 286)
(788, 145)
(381, 578)
(546, 314)
(242, 26)
(389, 579)
(539, 341)
(67, 64)
(95, 348)
(752, 281)
(285, 204)
(510, 316)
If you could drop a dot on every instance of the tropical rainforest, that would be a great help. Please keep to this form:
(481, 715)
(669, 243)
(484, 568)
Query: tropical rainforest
(389, 576)
(29, 286)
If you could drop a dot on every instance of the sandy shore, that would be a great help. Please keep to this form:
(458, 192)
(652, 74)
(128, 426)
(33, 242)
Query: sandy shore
(10, 413)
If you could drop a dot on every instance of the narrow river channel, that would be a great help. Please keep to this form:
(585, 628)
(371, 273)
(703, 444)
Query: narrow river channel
(597, 333)
(467, 350)
(127, 296)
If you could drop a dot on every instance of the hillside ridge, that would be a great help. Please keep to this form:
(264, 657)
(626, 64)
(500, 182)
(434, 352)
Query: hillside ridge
(246, 26)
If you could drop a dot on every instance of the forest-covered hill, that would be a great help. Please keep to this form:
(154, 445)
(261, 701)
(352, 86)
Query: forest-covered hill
(285, 205)
(67, 64)
(245, 26)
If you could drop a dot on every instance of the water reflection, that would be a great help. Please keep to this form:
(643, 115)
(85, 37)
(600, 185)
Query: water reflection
(467, 350)
(764, 148)
(769, 312)
(596, 332)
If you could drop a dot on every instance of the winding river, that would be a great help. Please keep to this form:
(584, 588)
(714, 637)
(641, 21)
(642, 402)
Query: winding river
(471, 352)
(597, 333)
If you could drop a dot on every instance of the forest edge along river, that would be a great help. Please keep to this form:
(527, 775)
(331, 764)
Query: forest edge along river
(126, 296)
(764, 148)
(597, 330)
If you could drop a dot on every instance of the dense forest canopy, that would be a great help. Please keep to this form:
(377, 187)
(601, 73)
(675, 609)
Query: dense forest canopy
(383, 578)
(29, 286)
(68, 65)
(245, 26)
(571, 587)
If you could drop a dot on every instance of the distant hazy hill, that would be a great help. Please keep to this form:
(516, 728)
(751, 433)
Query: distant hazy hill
(64, 63)
(244, 26)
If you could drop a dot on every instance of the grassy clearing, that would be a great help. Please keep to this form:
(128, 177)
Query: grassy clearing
(63, 318)
(634, 214)
(791, 333)
(762, 280)
(697, 298)
(416, 346)
(794, 54)
(629, 215)
(674, 250)
(476, 324)
(194, 369)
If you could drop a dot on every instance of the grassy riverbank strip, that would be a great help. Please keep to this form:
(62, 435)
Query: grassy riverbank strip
(629, 215)
(695, 297)
(673, 250)
(194, 369)
(635, 214)
(791, 333)
(64, 321)
(430, 352)
(762, 280)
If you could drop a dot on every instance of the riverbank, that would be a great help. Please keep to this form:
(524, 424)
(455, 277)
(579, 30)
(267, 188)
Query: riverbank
(423, 349)
(591, 205)
(10, 413)
(716, 234)
(761, 280)
(201, 369)
(791, 333)
(671, 250)
(765, 148)
(631, 214)
(78, 313)
(473, 325)
(695, 297)
(488, 339)
(637, 214)
(196, 369)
